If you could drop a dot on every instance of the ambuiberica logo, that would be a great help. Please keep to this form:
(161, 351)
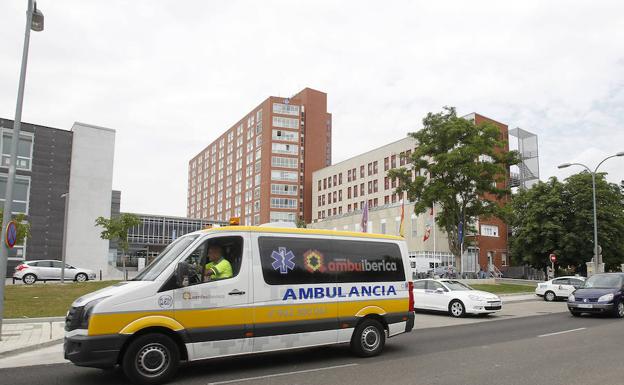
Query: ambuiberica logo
(338, 292)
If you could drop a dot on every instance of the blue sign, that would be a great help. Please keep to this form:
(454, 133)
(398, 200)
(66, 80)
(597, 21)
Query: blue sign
(461, 232)
(11, 234)
(283, 260)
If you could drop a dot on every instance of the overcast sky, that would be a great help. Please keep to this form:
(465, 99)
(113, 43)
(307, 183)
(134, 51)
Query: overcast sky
(170, 76)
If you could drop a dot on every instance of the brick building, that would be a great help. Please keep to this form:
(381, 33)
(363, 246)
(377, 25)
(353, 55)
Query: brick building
(260, 169)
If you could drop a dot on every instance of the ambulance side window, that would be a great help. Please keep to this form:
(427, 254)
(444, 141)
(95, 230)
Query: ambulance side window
(229, 248)
(288, 260)
(366, 261)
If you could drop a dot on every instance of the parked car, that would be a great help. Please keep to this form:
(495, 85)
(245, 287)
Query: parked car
(30, 272)
(454, 297)
(558, 288)
(601, 293)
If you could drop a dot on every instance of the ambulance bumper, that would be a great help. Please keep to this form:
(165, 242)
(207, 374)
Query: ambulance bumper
(94, 351)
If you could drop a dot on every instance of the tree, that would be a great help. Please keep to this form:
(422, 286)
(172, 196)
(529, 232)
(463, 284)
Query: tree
(301, 223)
(460, 167)
(22, 226)
(116, 228)
(537, 219)
(556, 217)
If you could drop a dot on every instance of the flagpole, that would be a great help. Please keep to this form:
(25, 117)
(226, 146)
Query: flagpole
(434, 235)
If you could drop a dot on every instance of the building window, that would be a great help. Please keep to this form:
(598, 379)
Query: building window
(279, 216)
(348, 175)
(334, 197)
(281, 148)
(24, 149)
(335, 180)
(281, 122)
(349, 208)
(362, 189)
(393, 161)
(370, 169)
(283, 189)
(375, 185)
(286, 136)
(283, 203)
(329, 182)
(329, 198)
(340, 178)
(362, 171)
(319, 185)
(370, 186)
(489, 230)
(340, 195)
(386, 200)
(375, 170)
(280, 161)
(21, 192)
(319, 201)
(355, 191)
(285, 109)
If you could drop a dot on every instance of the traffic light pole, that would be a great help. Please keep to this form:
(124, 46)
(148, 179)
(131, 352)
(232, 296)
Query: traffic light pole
(8, 198)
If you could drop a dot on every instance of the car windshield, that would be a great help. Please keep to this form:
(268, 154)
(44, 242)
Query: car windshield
(457, 286)
(603, 281)
(164, 259)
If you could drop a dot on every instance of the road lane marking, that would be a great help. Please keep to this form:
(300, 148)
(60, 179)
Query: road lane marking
(561, 332)
(282, 374)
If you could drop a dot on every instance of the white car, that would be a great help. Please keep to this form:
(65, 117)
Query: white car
(30, 272)
(559, 288)
(454, 297)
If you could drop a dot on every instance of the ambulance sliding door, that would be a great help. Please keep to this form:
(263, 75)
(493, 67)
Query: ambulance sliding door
(294, 293)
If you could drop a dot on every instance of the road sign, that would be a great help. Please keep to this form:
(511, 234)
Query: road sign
(553, 258)
(11, 234)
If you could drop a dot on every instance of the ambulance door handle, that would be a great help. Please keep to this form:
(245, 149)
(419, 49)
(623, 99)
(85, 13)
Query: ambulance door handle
(236, 292)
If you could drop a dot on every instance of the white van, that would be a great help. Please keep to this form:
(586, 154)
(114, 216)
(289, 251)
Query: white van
(289, 288)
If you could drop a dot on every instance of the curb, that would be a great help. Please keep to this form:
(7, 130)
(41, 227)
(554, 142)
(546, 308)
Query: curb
(30, 348)
(33, 320)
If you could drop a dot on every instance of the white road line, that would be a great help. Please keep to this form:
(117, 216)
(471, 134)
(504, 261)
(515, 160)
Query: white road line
(561, 332)
(282, 374)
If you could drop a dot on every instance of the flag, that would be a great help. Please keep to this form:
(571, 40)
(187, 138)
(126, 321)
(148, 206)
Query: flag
(402, 225)
(428, 227)
(364, 223)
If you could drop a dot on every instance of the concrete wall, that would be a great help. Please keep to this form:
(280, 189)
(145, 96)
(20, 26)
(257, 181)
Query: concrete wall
(90, 186)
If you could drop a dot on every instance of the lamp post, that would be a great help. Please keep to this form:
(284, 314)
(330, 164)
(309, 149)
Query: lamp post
(64, 246)
(593, 175)
(34, 21)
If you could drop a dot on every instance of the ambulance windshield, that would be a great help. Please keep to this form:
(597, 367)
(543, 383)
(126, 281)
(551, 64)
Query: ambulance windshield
(164, 259)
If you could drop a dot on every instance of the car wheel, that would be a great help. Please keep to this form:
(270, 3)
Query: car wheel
(549, 296)
(29, 279)
(81, 277)
(618, 309)
(457, 309)
(151, 359)
(575, 313)
(368, 338)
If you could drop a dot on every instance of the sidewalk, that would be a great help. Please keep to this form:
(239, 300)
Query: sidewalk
(20, 336)
(518, 297)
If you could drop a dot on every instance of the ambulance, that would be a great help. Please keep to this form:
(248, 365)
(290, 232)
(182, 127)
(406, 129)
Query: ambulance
(288, 288)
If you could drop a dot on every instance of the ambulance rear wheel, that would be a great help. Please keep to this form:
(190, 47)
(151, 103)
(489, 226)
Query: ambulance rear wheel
(151, 359)
(368, 338)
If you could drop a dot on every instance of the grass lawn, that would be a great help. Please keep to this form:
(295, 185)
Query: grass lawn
(45, 300)
(505, 288)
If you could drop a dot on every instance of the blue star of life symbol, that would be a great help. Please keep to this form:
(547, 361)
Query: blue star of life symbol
(283, 260)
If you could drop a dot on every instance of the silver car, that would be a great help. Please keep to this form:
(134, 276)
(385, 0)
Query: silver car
(30, 272)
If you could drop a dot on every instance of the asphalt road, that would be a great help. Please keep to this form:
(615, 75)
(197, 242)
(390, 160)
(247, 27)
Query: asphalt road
(512, 351)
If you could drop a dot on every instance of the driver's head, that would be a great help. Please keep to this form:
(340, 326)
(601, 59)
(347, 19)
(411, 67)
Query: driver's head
(215, 252)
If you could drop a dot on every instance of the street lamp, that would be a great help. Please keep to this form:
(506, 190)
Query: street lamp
(34, 21)
(593, 175)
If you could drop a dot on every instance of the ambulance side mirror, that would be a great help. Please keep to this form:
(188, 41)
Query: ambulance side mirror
(182, 273)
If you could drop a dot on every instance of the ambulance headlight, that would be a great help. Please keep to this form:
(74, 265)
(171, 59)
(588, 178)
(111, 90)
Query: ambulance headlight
(87, 311)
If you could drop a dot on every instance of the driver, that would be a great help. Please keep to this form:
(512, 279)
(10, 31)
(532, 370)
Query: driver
(218, 267)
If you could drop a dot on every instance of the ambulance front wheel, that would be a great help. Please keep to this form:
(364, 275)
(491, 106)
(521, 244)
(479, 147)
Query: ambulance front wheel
(151, 359)
(368, 338)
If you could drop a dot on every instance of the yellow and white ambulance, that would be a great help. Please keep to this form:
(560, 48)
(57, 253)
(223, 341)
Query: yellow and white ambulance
(288, 288)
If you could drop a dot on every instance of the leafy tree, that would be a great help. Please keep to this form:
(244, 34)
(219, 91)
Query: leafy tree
(461, 163)
(301, 223)
(22, 226)
(556, 217)
(116, 228)
(538, 220)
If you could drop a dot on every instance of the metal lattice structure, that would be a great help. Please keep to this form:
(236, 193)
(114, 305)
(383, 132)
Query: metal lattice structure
(528, 168)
